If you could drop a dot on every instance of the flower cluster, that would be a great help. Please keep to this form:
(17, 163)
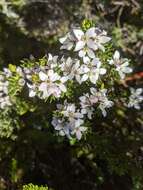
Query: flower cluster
(99, 98)
(86, 74)
(69, 121)
(45, 81)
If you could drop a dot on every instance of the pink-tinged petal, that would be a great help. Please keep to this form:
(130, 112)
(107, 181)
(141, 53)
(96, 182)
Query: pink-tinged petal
(116, 55)
(104, 39)
(78, 33)
(78, 134)
(85, 69)
(102, 71)
(96, 62)
(82, 53)
(90, 53)
(79, 45)
(43, 86)
(91, 44)
(43, 76)
(90, 32)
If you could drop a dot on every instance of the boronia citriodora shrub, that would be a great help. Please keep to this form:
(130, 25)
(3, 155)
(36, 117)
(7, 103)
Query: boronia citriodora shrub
(78, 86)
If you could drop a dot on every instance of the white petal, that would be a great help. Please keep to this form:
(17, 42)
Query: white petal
(69, 45)
(93, 78)
(101, 47)
(127, 70)
(79, 45)
(139, 91)
(90, 32)
(63, 39)
(85, 69)
(90, 53)
(62, 87)
(32, 93)
(86, 59)
(102, 71)
(50, 57)
(104, 39)
(82, 53)
(111, 62)
(84, 78)
(43, 86)
(91, 44)
(78, 134)
(96, 62)
(78, 33)
(43, 76)
(93, 91)
(116, 55)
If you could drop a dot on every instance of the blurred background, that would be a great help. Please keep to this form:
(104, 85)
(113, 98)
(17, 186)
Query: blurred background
(113, 158)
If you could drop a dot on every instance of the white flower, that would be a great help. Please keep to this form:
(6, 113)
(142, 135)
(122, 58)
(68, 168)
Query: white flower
(135, 98)
(92, 70)
(69, 110)
(121, 64)
(71, 69)
(102, 99)
(86, 105)
(70, 121)
(79, 129)
(51, 84)
(105, 103)
(86, 43)
(61, 126)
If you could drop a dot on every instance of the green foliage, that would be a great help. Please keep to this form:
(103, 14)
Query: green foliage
(9, 124)
(34, 187)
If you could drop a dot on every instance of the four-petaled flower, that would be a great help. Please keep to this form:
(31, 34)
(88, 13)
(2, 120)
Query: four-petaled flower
(135, 98)
(92, 70)
(121, 64)
(86, 43)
